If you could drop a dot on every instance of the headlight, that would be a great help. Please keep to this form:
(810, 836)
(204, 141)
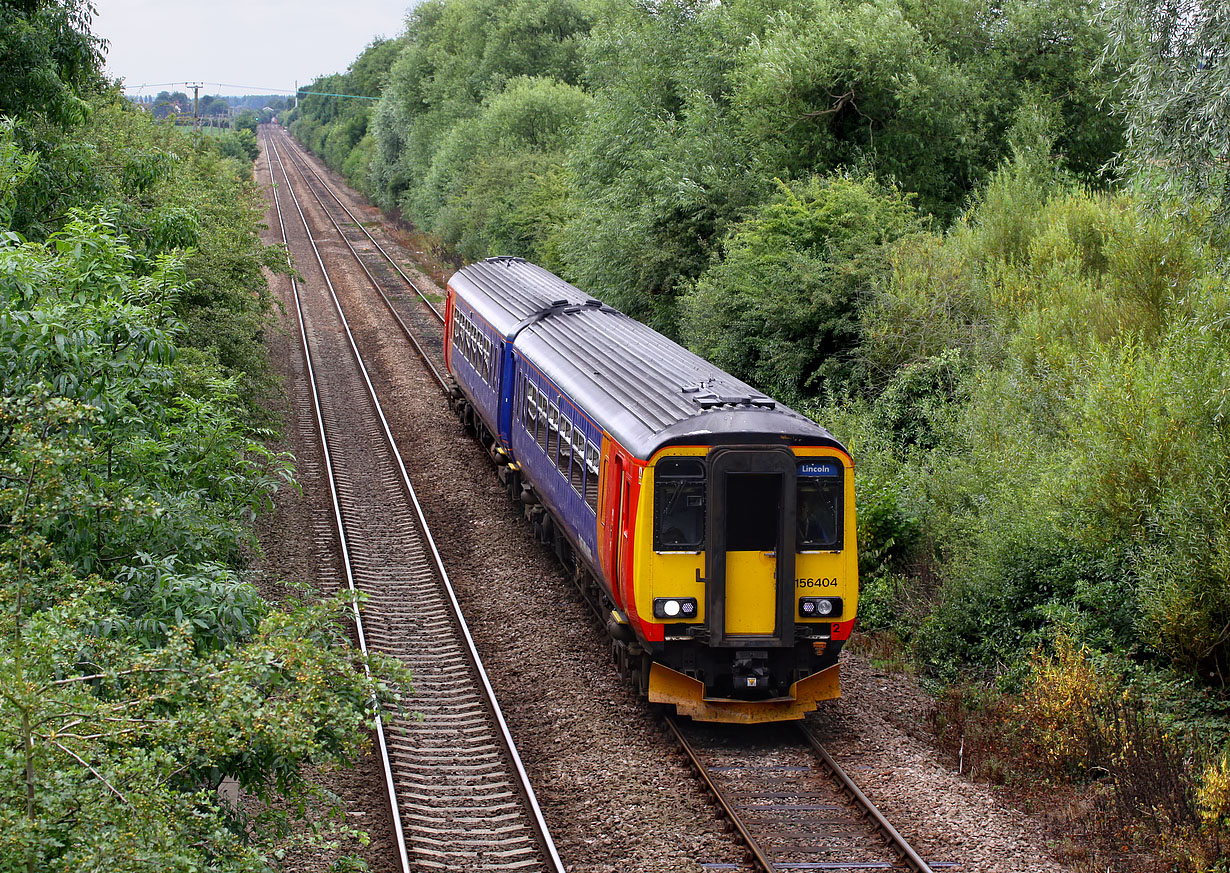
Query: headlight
(674, 607)
(820, 607)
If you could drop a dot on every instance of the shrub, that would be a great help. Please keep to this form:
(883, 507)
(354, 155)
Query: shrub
(781, 308)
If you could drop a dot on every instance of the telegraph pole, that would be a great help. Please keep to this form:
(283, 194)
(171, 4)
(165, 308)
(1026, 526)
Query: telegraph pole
(196, 103)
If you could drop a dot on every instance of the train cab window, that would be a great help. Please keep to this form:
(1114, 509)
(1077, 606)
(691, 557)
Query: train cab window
(593, 458)
(577, 468)
(565, 445)
(679, 505)
(819, 520)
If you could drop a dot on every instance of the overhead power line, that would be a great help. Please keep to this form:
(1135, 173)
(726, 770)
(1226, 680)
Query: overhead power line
(327, 94)
(252, 89)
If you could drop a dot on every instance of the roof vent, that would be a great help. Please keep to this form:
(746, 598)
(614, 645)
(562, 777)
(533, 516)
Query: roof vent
(709, 400)
(504, 259)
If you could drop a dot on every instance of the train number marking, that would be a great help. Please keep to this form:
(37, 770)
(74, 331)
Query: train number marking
(818, 582)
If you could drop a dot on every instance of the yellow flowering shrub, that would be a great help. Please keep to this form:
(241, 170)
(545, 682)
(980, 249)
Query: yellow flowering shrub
(1062, 703)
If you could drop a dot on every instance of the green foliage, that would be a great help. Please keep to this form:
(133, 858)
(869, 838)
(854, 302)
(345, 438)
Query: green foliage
(491, 185)
(658, 176)
(780, 309)
(246, 120)
(1176, 85)
(839, 84)
(239, 144)
(138, 667)
(334, 126)
(1065, 457)
(49, 60)
(457, 58)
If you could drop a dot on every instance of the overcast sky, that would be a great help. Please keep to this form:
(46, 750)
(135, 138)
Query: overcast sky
(263, 46)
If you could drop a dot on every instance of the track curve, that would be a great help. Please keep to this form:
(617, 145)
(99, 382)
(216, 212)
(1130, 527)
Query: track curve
(459, 793)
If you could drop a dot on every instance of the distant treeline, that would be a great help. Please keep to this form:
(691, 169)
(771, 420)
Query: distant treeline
(982, 241)
(263, 107)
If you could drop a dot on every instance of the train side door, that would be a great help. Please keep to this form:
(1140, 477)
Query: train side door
(623, 550)
(751, 531)
(618, 527)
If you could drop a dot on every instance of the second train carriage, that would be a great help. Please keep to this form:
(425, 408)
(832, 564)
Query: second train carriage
(716, 525)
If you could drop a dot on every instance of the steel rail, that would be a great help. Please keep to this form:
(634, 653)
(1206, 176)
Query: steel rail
(759, 856)
(505, 735)
(386, 761)
(753, 845)
(896, 842)
(324, 184)
(431, 365)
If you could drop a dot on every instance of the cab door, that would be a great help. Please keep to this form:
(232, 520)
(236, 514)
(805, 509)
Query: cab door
(750, 555)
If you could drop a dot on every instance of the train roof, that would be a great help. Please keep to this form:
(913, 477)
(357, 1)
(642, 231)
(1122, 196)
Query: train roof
(643, 389)
(507, 291)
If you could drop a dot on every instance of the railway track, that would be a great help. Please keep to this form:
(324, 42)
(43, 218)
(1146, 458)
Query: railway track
(459, 795)
(419, 316)
(790, 802)
(793, 806)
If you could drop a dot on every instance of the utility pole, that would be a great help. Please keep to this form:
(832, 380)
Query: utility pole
(196, 103)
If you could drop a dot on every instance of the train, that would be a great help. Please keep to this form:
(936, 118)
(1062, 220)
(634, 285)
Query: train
(711, 527)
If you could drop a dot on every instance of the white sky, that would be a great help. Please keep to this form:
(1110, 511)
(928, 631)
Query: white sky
(264, 46)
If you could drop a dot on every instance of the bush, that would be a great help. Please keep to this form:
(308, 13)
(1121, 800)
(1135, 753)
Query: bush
(781, 309)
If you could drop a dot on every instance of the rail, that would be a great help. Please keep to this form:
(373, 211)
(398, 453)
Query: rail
(431, 840)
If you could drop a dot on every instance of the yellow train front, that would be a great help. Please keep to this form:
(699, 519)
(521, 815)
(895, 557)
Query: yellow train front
(712, 527)
(746, 564)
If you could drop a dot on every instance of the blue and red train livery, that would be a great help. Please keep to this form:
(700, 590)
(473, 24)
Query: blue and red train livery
(712, 526)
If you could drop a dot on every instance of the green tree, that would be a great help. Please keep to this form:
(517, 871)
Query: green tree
(455, 54)
(138, 668)
(781, 307)
(246, 120)
(1176, 86)
(489, 185)
(49, 60)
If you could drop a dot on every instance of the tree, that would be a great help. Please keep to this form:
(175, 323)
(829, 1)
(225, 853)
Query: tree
(246, 120)
(1176, 96)
(138, 667)
(781, 308)
(455, 54)
(49, 59)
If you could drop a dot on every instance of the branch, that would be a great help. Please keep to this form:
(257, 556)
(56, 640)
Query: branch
(846, 99)
(97, 775)
(132, 672)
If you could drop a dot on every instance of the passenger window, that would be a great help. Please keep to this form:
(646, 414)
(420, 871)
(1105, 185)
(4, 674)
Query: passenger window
(819, 507)
(593, 457)
(552, 431)
(577, 468)
(565, 445)
(540, 430)
(679, 505)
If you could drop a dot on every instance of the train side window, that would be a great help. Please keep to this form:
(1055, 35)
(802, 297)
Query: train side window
(819, 520)
(540, 431)
(540, 416)
(529, 407)
(577, 468)
(565, 445)
(552, 431)
(593, 457)
(679, 505)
